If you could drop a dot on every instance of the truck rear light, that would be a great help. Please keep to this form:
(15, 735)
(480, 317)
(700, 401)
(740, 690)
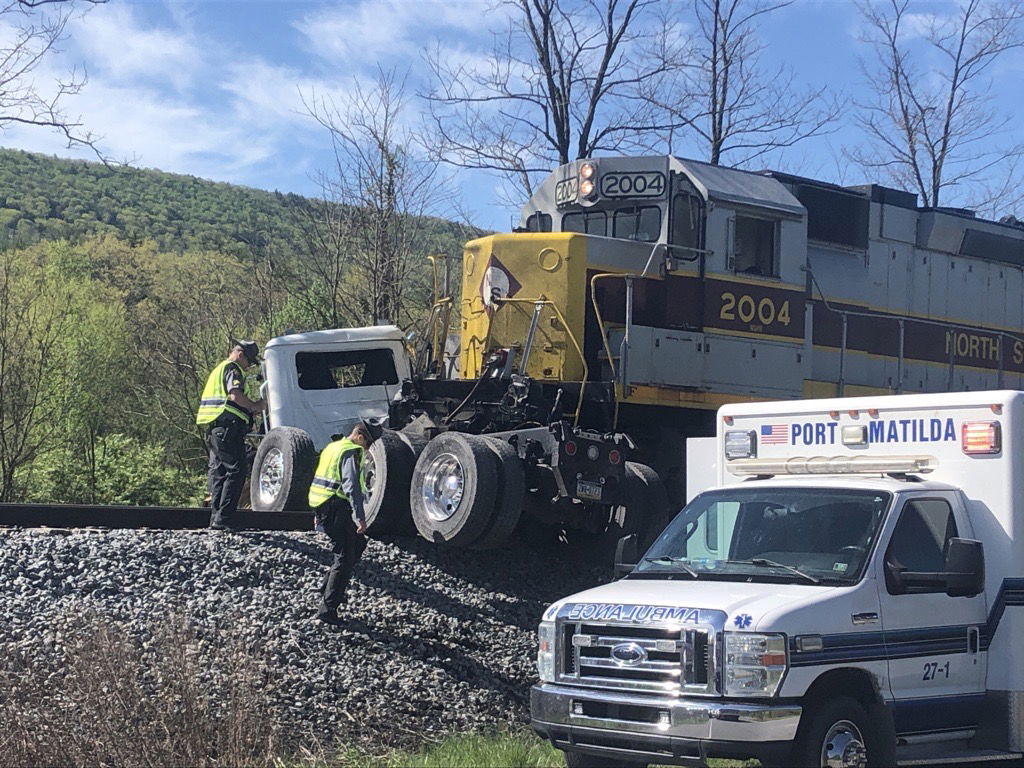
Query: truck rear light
(981, 437)
(570, 448)
(614, 457)
(593, 453)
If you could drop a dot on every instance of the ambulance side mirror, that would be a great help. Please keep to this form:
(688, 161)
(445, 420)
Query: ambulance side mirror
(965, 568)
(625, 555)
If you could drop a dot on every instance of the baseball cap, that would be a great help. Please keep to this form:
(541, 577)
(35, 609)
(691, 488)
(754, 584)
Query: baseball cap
(250, 349)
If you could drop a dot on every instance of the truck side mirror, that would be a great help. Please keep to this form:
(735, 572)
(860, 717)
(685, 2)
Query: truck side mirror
(965, 568)
(625, 555)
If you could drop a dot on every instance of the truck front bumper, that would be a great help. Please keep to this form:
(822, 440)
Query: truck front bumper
(660, 729)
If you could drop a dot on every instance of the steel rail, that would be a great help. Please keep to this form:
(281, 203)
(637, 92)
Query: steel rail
(129, 517)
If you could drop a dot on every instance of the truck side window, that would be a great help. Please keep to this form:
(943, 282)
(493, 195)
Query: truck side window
(919, 541)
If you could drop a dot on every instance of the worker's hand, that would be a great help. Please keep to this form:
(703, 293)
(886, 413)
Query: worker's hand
(261, 405)
(360, 526)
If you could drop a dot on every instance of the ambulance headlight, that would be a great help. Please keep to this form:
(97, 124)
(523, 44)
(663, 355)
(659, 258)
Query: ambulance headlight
(740, 444)
(546, 651)
(754, 663)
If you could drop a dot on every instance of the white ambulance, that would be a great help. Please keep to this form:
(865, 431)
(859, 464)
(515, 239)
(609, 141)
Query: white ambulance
(849, 593)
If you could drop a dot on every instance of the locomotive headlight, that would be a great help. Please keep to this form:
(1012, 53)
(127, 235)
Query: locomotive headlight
(754, 663)
(587, 188)
(587, 171)
(546, 651)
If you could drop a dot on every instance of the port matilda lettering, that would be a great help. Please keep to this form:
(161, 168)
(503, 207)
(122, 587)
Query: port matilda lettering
(635, 613)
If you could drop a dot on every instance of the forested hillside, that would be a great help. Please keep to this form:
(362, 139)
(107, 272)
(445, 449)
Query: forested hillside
(119, 291)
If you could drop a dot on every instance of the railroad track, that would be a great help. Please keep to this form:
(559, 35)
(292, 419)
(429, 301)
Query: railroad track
(120, 516)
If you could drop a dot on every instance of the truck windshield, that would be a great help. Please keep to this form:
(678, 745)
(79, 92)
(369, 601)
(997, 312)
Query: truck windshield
(806, 535)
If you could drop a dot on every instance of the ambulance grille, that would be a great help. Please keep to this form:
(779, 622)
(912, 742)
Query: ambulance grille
(648, 658)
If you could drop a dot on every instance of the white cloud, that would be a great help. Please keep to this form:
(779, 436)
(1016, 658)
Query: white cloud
(392, 31)
(122, 49)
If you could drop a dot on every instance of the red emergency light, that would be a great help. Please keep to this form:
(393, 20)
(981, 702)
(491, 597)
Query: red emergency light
(981, 437)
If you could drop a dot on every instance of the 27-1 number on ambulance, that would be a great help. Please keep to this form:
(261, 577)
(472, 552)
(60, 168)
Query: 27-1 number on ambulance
(932, 670)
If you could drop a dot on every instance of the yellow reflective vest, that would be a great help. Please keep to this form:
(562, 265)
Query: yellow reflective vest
(214, 400)
(327, 482)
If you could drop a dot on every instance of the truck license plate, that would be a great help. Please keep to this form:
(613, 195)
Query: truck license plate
(587, 490)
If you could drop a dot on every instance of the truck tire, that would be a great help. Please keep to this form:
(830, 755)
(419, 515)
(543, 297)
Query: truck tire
(388, 471)
(282, 471)
(656, 499)
(633, 516)
(454, 487)
(838, 731)
(509, 498)
(583, 760)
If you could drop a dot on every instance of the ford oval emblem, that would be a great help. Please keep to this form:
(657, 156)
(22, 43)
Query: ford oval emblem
(628, 654)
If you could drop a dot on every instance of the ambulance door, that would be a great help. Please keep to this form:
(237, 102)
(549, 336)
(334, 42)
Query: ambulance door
(932, 641)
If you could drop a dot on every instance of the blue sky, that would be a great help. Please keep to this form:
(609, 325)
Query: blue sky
(212, 87)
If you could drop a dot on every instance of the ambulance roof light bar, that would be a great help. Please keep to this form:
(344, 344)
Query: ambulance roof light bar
(834, 465)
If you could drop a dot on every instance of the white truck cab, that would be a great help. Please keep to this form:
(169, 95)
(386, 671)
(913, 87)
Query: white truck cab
(847, 591)
(319, 384)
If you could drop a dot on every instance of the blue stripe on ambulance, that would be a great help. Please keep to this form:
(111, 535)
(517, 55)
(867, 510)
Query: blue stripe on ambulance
(908, 643)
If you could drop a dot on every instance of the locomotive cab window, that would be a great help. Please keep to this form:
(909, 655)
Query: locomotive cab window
(687, 222)
(755, 246)
(539, 222)
(336, 370)
(590, 223)
(640, 223)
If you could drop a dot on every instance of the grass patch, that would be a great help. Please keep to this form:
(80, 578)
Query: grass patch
(476, 750)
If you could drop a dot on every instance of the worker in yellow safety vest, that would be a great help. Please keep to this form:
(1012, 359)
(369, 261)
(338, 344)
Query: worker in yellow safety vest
(226, 413)
(336, 497)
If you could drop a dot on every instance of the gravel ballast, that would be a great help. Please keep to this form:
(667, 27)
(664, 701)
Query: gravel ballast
(438, 640)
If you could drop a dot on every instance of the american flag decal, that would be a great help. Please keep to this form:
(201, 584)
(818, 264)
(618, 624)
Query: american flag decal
(774, 434)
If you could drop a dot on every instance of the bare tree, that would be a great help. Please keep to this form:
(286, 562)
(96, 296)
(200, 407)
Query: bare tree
(561, 83)
(737, 108)
(34, 30)
(930, 122)
(365, 234)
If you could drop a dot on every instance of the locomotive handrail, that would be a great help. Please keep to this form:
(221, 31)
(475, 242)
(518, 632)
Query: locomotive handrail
(542, 301)
(901, 322)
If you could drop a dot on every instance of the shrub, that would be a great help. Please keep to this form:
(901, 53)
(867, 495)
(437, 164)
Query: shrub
(114, 700)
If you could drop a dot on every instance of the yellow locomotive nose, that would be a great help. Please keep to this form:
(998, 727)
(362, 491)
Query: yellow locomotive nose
(507, 279)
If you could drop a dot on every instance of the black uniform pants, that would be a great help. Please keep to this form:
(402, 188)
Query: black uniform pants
(226, 441)
(334, 517)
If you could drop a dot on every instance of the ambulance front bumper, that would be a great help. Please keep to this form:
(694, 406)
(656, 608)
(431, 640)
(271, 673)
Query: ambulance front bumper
(660, 729)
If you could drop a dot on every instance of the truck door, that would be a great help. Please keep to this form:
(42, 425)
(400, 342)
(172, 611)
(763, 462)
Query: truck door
(932, 641)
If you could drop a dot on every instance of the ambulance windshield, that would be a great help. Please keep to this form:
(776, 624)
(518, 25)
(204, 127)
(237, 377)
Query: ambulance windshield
(810, 535)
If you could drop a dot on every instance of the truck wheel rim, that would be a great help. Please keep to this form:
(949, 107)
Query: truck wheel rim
(443, 486)
(843, 747)
(369, 475)
(271, 475)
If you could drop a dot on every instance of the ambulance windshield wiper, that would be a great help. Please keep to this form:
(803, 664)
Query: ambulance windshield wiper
(765, 562)
(678, 562)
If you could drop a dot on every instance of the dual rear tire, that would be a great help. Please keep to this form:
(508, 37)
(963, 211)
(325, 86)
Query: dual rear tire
(467, 490)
